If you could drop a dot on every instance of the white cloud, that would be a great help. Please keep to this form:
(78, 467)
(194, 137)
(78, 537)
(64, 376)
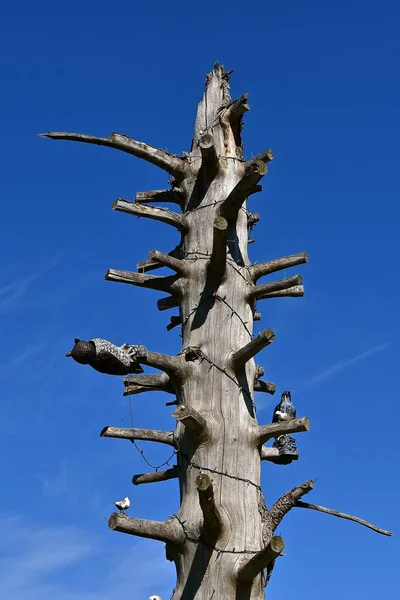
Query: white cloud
(43, 563)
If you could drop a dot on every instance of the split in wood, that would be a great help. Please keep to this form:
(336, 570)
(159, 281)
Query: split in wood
(212, 522)
(138, 384)
(209, 157)
(149, 435)
(217, 264)
(260, 561)
(153, 212)
(193, 422)
(174, 196)
(165, 531)
(242, 356)
(156, 477)
(272, 430)
(172, 164)
(259, 292)
(152, 282)
(166, 260)
(259, 270)
(231, 205)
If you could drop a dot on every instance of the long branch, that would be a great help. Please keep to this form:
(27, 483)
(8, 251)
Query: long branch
(286, 502)
(266, 432)
(260, 561)
(164, 531)
(336, 513)
(242, 356)
(260, 291)
(297, 291)
(118, 141)
(174, 196)
(136, 384)
(278, 264)
(148, 435)
(152, 212)
(156, 476)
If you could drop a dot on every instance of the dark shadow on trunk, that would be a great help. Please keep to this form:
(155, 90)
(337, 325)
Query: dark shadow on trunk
(197, 571)
(247, 393)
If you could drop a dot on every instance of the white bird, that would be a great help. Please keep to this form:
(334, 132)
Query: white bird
(155, 598)
(123, 505)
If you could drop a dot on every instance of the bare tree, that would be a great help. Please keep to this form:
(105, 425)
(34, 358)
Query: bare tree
(222, 537)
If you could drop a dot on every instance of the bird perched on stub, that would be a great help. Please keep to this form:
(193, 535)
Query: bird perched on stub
(123, 505)
(105, 357)
(285, 410)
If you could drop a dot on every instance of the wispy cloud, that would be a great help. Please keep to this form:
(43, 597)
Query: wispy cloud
(340, 366)
(42, 563)
(13, 293)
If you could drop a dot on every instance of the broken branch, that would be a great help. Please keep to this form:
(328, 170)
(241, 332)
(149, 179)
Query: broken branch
(148, 435)
(212, 522)
(259, 270)
(236, 109)
(118, 141)
(260, 561)
(336, 513)
(152, 212)
(147, 383)
(260, 291)
(164, 531)
(288, 501)
(242, 356)
(272, 430)
(155, 477)
(265, 156)
(252, 175)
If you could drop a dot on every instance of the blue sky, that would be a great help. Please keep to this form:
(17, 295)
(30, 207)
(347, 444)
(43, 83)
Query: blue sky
(324, 93)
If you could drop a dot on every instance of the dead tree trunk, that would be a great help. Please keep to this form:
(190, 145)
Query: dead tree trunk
(222, 537)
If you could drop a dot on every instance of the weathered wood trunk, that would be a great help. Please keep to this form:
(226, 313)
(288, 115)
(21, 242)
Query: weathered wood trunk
(222, 537)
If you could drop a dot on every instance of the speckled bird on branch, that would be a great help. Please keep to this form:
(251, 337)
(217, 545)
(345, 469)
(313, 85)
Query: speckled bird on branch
(105, 357)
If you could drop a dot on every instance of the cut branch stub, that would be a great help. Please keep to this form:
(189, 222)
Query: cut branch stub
(172, 164)
(152, 212)
(147, 383)
(156, 477)
(193, 422)
(258, 292)
(209, 157)
(266, 432)
(259, 270)
(164, 531)
(148, 435)
(260, 561)
(212, 522)
(217, 264)
(166, 260)
(242, 356)
(174, 196)
(296, 291)
(265, 157)
(144, 266)
(236, 109)
(167, 303)
(264, 386)
(231, 205)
